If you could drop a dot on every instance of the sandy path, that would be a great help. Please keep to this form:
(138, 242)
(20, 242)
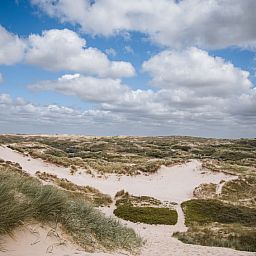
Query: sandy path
(174, 184)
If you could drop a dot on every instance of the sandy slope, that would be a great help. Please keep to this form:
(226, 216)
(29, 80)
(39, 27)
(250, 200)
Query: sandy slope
(34, 239)
(172, 184)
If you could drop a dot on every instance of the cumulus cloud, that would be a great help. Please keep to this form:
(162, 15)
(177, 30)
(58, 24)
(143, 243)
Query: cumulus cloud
(191, 89)
(195, 70)
(64, 50)
(58, 50)
(193, 81)
(11, 47)
(86, 88)
(203, 23)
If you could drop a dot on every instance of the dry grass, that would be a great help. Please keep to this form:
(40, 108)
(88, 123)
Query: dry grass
(87, 193)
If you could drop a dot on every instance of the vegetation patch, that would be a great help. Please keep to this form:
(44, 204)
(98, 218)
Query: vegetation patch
(88, 193)
(205, 191)
(148, 215)
(229, 235)
(241, 191)
(144, 209)
(124, 198)
(216, 223)
(207, 210)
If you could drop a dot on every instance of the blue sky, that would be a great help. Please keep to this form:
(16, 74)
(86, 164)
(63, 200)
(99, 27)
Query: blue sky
(160, 90)
(20, 17)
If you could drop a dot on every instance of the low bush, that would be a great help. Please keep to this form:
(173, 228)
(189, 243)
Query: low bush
(209, 210)
(148, 215)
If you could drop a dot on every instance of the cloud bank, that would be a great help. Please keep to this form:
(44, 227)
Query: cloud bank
(184, 93)
(202, 23)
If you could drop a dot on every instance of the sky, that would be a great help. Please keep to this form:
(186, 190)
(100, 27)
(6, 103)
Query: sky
(137, 67)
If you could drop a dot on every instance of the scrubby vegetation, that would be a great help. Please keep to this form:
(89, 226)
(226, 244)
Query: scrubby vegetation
(205, 191)
(88, 193)
(206, 211)
(241, 191)
(122, 155)
(215, 223)
(222, 235)
(144, 209)
(30, 199)
(148, 215)
(133, 155)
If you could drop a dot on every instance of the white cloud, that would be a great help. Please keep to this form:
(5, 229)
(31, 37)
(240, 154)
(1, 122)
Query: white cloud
(86, 88)
(195, 70)
(51, 119)
(64, 50)
(5, 99)
(11, 48)
(192, 89)
(59, 50)
(1, 78)
(33, 118)
(203, 23)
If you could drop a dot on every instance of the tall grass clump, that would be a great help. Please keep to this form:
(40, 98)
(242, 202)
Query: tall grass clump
(23, 198)
(11, 214)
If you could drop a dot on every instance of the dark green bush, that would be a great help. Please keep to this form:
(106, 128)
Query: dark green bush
(148, 215)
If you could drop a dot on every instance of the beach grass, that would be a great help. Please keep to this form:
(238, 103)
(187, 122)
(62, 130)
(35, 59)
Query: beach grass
(23, 198)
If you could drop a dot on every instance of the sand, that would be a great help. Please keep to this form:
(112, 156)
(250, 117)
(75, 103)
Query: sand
(175, 184)
(34, 239)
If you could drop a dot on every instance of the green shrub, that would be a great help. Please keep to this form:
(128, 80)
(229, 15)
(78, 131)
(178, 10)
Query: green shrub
(148, 215)
(208, 210)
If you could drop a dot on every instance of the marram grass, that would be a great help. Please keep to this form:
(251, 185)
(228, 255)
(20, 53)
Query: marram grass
(23, 198)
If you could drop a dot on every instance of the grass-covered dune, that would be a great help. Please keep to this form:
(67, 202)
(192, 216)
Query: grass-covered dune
(23, 198)
(134, 155)
(225, 219)
(215, 223)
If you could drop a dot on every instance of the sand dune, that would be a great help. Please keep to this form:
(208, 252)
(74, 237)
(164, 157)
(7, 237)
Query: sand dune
(174, 184)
